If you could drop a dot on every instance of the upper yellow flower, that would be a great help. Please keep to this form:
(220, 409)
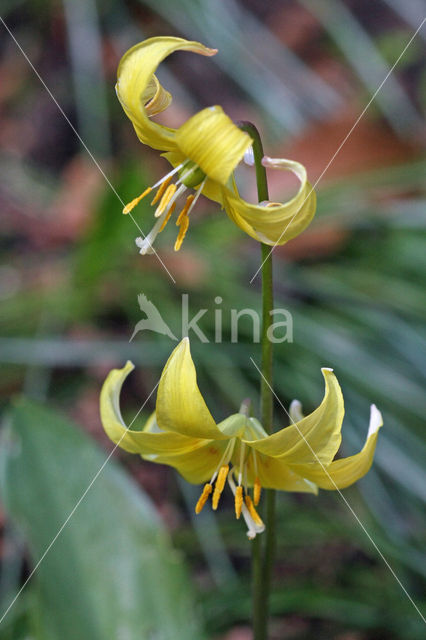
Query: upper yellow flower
(183, 434)
(204, 152)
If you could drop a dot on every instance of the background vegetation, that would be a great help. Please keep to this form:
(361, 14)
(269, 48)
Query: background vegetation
(133, 562)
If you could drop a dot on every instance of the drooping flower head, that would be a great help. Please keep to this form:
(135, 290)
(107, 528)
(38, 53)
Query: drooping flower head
(183, 434)
(204, 153)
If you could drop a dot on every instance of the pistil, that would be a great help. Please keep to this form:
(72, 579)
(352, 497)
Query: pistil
(251, 517)
(166, 197)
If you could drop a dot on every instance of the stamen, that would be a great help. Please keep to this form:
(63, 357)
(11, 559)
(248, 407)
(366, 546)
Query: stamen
(184, 223)
(252, 528)
(257, 488)
(224, 459)
(167, 196)
(257, 491)
(167, 218)
(197, 195)
(182, 232)
(171, 173)
(220, 483)
(131, 205)
(184, 211)
(203, 498)
(240, 471)
(165, 179)
(256, 517)
(238, 502)
(161, 190)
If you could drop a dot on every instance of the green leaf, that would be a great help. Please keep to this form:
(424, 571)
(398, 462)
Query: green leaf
(111, 572)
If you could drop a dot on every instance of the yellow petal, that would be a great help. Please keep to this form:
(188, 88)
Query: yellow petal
(316, 435)
(276, 474)
(137, 85)
(213, 142)
(197, 465)
(155, 98)
(274, 223)
(180, 405)
(342, 473)
(147, 442)
(234, 425)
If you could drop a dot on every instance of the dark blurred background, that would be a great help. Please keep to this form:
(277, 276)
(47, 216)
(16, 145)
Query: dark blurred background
(303, 72)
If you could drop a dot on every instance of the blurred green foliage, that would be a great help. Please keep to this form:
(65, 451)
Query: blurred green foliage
(110, 571)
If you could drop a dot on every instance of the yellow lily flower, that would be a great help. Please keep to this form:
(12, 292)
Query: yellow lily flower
(204, 152)
(183, 434)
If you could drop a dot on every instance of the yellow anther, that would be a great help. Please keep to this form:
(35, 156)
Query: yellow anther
(238, 502)
(167, 196)
(203, 498)
(256, 491)
(184, 224)
(131, 205)
(256, 517)
(161, 190)
(184, 211)
(167, 218)
(220, 483)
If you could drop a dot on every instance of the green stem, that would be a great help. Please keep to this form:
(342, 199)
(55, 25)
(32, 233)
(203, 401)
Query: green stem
(262, 563)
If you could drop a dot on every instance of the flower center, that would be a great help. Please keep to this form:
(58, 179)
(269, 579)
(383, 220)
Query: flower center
(190, 175)
(244, 504)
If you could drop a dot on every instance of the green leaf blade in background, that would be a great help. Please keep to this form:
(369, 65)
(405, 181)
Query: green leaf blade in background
(112, 572)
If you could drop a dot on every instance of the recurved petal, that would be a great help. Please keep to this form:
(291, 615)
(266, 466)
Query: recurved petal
(139, 91)
(146, 442)
(315, 437)
(274, 223)
(213, 142)
(344, 472)
(155, 98)
(180, 406)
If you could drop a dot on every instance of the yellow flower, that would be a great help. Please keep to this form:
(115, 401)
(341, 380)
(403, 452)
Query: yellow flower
(183, 434)
(204, 152)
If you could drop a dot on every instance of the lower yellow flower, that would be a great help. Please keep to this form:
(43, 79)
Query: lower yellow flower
(204, 153)
(183, 434)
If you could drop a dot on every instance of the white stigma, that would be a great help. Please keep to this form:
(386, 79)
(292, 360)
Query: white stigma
(252, 528)
(146, 244)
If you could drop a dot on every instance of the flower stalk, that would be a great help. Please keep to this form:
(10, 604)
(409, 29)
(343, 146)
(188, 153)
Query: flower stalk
(263, 555)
